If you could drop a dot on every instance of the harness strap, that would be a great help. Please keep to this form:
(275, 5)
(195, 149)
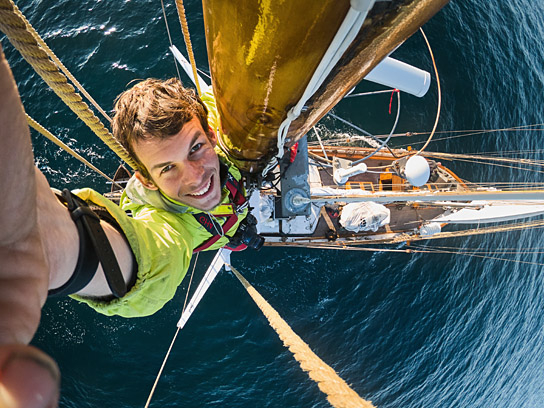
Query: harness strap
(94, 247)
(235, 190)
(213, 227)
(237, 196)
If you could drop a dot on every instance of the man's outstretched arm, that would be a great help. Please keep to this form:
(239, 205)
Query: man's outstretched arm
(39, 248)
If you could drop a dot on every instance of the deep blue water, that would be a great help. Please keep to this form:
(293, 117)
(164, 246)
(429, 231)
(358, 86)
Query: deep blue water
(420, 330)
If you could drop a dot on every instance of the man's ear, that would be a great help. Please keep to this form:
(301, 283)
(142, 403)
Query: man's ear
(145, 181)
(212, 137)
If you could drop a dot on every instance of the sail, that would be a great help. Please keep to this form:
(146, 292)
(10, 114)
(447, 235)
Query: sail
(263, 57)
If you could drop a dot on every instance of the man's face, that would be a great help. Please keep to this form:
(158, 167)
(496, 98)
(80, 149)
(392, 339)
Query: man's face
(184, 167)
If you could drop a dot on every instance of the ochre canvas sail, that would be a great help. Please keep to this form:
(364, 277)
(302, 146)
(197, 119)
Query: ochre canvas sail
(263, 55)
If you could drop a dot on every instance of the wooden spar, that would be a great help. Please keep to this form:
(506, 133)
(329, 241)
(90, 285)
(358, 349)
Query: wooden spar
(527, 195)
(263, 54)
(387, 30)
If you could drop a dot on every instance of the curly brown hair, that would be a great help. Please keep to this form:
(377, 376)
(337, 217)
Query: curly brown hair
(155, 108)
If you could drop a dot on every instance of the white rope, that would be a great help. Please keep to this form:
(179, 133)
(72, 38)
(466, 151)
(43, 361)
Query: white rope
(439, 91)
(373, 142)
(384, 143)
(169, 37)
(215, 224)
(344, 37)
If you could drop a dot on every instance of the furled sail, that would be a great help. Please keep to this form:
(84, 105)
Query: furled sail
(264, 55)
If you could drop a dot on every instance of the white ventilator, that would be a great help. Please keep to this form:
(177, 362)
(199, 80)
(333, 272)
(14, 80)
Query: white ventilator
(417, 171)
(342, 175)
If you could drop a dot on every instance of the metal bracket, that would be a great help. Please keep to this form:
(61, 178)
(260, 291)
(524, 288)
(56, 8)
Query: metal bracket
(294, 183)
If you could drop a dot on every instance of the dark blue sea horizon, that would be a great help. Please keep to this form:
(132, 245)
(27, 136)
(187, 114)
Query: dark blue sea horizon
(404, 330)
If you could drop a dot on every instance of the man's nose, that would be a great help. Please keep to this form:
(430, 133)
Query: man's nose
(193, 172)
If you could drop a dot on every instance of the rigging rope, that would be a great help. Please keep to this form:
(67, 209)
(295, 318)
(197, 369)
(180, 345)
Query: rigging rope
(187, 38)
(384, 143)
(173, 340)
(374, 142)
(439, 93)
(482, 157)
(57, 61)
(170, 38)
(15, 26)
(320, 143)
(338, 392)
(39, 128)
(421, 250)
(474, 231)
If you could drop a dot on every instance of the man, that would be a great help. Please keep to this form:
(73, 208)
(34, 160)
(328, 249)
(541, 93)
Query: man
(47, 242)
(181, 186)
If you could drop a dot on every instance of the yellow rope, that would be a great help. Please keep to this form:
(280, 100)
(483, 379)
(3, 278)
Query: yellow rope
(61, 66)
(39, 128)
(338, 392)
(15, 26)
(187, 38)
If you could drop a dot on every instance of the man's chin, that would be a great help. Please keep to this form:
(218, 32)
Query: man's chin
(205, 204)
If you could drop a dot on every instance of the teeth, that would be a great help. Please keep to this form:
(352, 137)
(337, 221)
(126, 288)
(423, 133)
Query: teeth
(203, 190)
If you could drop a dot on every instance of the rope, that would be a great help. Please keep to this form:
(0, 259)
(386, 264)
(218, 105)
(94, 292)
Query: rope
(55, 59)
(187, 38)
(338, 392)
(39, 128)
(369, 93)
(374, 142)
(384, 142)
(15, 26)
(475, 133)
(321, 143)
(475, 231)
(439, 93)
(482, 157)
(173, 340)
(170, 38)
(424, 250)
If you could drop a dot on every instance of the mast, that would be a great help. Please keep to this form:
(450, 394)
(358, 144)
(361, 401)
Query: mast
(264, 54)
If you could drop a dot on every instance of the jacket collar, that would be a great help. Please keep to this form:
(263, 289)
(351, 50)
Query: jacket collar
(139, 194)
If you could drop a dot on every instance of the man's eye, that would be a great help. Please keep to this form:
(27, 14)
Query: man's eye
(196, 147)
(167, 168)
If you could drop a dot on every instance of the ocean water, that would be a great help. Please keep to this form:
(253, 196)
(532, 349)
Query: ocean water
(418, 330)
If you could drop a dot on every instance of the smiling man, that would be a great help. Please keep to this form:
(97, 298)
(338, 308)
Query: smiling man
(184, 186)
(181, 173)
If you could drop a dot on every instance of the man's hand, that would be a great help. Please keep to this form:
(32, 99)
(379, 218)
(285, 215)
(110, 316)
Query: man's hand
(28, 378)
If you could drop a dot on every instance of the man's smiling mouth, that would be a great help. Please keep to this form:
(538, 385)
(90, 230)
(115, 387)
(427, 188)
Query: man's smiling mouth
(203, 190)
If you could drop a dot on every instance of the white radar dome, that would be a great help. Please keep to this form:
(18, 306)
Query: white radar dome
(417, 171)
